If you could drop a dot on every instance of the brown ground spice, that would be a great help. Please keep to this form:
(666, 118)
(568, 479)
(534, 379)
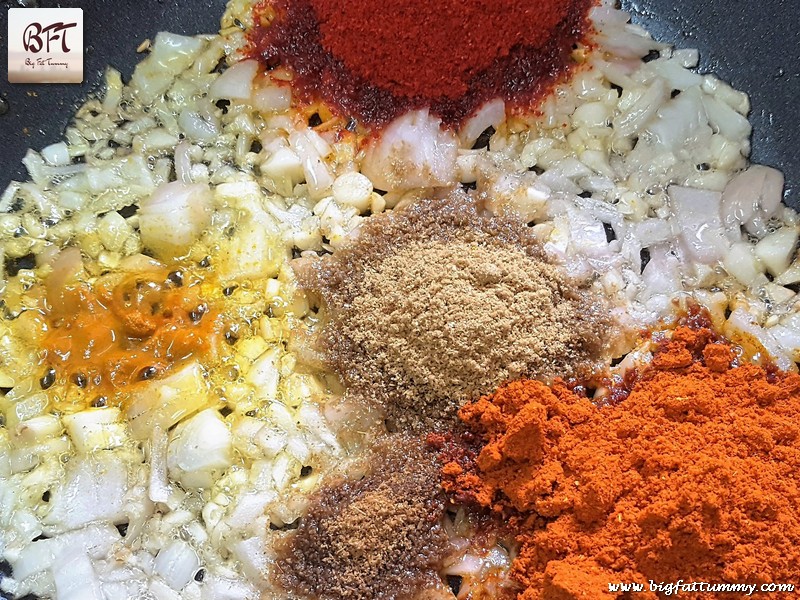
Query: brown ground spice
(440, 302)
(379, 537)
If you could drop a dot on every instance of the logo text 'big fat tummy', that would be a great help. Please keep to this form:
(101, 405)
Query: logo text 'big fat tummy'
(45, 45)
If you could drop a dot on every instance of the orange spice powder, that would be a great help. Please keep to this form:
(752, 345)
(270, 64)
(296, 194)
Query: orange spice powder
(694, 477)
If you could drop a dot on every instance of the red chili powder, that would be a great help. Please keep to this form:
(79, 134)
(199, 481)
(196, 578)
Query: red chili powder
(374, 61)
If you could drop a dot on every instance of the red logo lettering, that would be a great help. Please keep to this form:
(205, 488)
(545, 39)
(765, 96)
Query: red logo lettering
(33, 34)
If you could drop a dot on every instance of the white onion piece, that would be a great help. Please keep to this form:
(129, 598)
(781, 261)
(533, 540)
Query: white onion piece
(164, 402)
(96, 540)
(697, 222)
(174, 216)
(236, 82)
(751, 198)
(159, 489)
(75, 577)
(169, 55)
(199, 448)
(318, 176)
(788, 338)
(741, 262)
(183, 162)
(272, 98)
(681, 122)
(249, 507)
(158, 590)
(139, 263)
(176, 564)
(253, 558)
(775, 251)
(650, 232)
(95, 429)
(222, 588)
(56, 155)
(725, 120)
(491, 114)
(93, 491)
(198, 128)
(741, 325)
(643, 110)
(412, 152)
(662, 274)
(468, 565)
(67, 269)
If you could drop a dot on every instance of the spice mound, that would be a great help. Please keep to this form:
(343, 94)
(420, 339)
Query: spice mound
(694, 477)
(440, 302)
(378, 537)
(374, 62)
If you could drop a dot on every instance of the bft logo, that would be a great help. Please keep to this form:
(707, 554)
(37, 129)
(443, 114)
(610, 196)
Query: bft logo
(32, 37)
(45, 45)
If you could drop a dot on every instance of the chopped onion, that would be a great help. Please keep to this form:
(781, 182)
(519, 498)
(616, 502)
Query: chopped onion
(176, 564)
(75, 578)
(94, 490)
(164, 402)
(95, 429)
(173, 218)
(169, 55)
(491, 114)
(311, 154)
(199, 448)
(272, 98)
(236, 82)
(698, 223)
(412, 152)
(751, 198)
(776, 250)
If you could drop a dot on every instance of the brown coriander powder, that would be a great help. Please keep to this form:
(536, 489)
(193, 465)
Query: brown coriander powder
(375, 538)
(441, 302)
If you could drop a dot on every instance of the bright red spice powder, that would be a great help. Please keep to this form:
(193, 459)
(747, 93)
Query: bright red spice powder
(374, 60)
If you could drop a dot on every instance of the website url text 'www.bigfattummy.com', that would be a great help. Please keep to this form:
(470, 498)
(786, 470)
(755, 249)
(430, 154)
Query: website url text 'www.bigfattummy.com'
(669, 588)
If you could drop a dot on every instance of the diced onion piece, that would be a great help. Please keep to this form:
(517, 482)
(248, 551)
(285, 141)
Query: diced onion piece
(264, 374)
(95, 429)
(159, 489)
(741, 328)
(236, 82)
(776, 250)
(311, 153)
(742, 263)
(56, 154)
(412, 152)
(176, 564)
(169, 55)
(94, 490)
(200, 448)
(197, 128)
(698, 223)
(174, 216)
(253, 558)
(272, 98)
(491, 114)
(164, 402)
(751, 198)
(75, 578)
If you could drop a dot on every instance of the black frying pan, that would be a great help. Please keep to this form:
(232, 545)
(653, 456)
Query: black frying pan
(753, 45)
